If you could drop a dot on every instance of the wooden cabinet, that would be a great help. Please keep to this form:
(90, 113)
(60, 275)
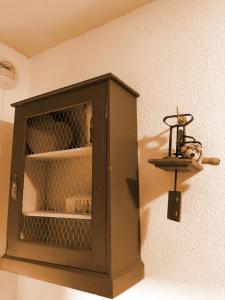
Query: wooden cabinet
(73, 201)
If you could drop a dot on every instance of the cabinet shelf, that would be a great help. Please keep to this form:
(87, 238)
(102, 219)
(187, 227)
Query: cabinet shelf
(176, 164)
(53, 214)
(70, 153)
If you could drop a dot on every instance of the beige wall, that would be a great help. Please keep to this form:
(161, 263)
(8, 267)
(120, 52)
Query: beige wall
(172, 53)
(8, 282)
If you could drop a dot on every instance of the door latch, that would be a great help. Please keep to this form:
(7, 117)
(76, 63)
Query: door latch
(14, 187)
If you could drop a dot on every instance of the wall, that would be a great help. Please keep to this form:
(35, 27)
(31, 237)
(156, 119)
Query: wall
(172, 53)
(8, 282)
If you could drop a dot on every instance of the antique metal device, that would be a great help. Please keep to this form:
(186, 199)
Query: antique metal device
(187, 156)
(179, 124)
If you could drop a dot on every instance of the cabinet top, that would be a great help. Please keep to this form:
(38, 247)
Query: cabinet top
(99, 79)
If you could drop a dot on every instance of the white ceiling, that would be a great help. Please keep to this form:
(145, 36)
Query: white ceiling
(31, 27)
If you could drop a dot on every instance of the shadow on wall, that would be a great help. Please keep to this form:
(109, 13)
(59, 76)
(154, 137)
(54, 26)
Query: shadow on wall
(32, 289)
(154, 181)
(8, 282)
(5, 162)
(8, 286)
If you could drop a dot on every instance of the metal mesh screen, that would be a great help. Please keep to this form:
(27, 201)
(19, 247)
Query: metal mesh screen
(70, 233)
(61, 130)
(57, 201)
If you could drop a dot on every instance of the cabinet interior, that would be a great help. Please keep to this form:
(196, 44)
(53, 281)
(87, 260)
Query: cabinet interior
(57, 191)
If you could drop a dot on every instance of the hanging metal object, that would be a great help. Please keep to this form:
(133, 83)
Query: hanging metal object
(187, 156)
(174, 202)
(181, 121)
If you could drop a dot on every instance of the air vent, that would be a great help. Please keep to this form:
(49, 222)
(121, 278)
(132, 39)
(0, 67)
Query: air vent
(7, 75)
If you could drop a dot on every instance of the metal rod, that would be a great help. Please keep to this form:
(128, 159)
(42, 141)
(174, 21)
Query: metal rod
(177, 142)
(175, 181)
(170, 141)
(184, 131)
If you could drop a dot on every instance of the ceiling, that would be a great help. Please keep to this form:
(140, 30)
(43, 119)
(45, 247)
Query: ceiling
(31, 27)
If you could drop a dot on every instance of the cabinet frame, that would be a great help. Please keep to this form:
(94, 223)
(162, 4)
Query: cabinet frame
(94, 259)
(116, 262)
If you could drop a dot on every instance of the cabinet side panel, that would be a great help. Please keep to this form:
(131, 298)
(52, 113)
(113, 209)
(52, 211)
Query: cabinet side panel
(123, 180)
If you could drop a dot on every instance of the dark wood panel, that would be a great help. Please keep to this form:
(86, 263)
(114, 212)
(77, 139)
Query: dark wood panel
(92, 282)
(86, 83)
(123, 203)
(176, 164)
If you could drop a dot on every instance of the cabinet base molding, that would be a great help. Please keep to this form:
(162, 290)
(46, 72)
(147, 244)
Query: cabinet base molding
(92, 282)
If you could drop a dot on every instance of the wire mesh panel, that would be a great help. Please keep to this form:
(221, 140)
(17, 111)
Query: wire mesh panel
(70, 233)
(66, 129)
(57, 193)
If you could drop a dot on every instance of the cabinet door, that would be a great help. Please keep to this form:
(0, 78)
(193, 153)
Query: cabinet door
(57, 210)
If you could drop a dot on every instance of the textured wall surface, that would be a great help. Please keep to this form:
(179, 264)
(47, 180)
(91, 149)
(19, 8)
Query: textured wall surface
(172, 53)
(8, 282)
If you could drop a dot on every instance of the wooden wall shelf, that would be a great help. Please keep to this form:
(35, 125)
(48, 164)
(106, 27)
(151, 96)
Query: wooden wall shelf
(176, 164)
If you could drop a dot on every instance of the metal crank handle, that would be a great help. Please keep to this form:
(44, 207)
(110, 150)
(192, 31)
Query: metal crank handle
(211, 161)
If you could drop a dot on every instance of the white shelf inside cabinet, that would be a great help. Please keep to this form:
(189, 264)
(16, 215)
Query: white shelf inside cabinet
(70, 153)
(53, 214)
